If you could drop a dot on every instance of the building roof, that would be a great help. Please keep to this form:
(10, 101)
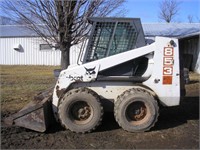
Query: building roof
(178, 30)
(20, 31)
(15, 31)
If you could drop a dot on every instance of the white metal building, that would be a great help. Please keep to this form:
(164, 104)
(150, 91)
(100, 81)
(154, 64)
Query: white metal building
(20, 46)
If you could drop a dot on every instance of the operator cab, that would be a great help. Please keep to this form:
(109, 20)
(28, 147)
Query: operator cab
(111, 36)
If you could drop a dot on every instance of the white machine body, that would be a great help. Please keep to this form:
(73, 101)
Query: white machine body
(163, 74)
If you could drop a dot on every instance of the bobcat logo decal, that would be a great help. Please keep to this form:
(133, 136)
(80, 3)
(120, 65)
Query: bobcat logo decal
(90, 71)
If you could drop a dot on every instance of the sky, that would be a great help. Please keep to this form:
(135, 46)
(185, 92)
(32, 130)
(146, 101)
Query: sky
(147, 10)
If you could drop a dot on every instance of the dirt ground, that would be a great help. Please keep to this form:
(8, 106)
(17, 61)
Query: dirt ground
(177, 128)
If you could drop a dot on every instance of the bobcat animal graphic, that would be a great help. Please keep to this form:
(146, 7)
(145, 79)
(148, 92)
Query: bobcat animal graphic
(90, 71)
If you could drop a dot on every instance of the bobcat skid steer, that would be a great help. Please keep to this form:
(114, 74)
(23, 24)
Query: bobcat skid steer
(114, 65)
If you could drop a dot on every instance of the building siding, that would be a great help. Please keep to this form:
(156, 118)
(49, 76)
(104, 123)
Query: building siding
(31, 53)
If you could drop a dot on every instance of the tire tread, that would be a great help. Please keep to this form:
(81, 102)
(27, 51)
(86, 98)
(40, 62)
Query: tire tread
(75, 91)
(121, 97)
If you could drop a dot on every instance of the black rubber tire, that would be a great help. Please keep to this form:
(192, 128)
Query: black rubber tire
(126, 116)
(81, 98)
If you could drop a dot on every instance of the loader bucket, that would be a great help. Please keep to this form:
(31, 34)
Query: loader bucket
(36, 116)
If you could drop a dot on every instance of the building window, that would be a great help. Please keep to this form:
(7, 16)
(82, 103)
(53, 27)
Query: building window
(45, 47)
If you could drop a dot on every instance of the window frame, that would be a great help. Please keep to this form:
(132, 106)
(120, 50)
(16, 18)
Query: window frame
(50, 48)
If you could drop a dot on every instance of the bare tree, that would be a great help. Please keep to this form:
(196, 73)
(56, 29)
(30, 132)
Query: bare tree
(198, 19)
(64, 22)
(168, 10)
(190, 18)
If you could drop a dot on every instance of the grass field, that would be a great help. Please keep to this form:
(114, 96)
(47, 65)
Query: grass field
(19, 84)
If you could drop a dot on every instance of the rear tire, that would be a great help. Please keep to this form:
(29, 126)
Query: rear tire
(136, 110)
(80, 110)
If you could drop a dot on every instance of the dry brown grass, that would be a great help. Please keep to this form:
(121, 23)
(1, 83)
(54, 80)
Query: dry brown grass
(19, 84)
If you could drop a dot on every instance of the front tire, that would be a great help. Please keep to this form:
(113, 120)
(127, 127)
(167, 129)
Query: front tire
(136, 110)
(80, 110)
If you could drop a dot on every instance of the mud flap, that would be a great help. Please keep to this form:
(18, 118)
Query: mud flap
(36, 116)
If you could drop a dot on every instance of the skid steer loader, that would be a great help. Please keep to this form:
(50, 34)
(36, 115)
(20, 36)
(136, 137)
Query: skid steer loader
(114, 65)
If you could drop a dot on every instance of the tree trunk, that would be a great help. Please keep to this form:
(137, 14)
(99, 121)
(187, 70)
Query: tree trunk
(65, 58)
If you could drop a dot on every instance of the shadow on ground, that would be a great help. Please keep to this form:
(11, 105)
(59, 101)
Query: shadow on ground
(175, 116)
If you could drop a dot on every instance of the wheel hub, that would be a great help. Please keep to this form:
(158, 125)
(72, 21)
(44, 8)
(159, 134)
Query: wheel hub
(81, 111)
(84, 113)
(139, 113)
(136, 111)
